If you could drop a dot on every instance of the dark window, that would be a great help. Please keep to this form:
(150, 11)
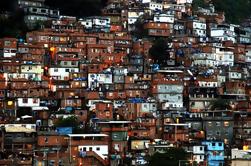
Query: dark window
(213, 144)
(46, 139)
(98, 149)
(90, 148)
(25, 100)
(220, 144)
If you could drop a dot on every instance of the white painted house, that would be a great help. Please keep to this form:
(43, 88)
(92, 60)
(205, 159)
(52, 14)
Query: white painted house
(155, 6)
(28, 102)
(224, 33)
(167, 18)
(62, 73)
(199, 153)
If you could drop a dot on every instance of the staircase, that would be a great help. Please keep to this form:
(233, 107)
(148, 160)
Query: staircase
(96, 156)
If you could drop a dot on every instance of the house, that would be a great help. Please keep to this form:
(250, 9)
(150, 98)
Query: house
(88, 148)
(51, 148)
(118, 133)
(96, 24)
(168, 90)
(20, 138)
(197, 27)
(168, 18)
(223, 33)
(214, 152)
(153, 6)
(37, 13)
(8, 47)
(219, 127)
(199, 153)
(159, 28)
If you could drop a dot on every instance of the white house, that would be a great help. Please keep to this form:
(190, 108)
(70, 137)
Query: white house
(184, 1)
(97, 22)
(199, 153)
(199, 28)
(149, 107)
(155, 6)
(224, 33)
(101, 150)
(32, 68)
(234, 75)
(28, 102)
(8, 52)
(224, 57)
(248, 55)
(133, 15)
(168, 18)
(62, 73)
(32, 76)
(95, 79)
(204, 59)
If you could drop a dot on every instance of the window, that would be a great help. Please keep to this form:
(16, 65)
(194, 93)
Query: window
(13, 51)
(97, 148)
(25, 100)
(220, 144)
(35, 101)
(55, 70)
(46, 139)
(43, 11)
(34, 10)
(218, 124)
(90, 148)
(213, 144)
(107, 113)
(7, 43)
(67, 70)
(84, 149)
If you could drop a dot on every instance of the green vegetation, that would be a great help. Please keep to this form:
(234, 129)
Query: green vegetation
(235, 11)
(13, 25)
(78, 8)
(70, 121)
(220, 104)
(170, 158)
(198, 3)
(140, 32)
(159, 51)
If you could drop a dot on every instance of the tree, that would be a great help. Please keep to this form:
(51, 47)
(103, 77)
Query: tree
(172, 157)
(159, 51)
(198, 3)
(78, 8)
(220, 104)
(13, 25)
(140, 32)
(235, 11)
(70, 121)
